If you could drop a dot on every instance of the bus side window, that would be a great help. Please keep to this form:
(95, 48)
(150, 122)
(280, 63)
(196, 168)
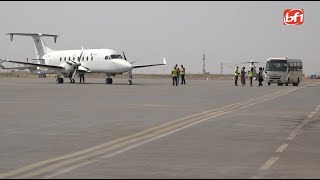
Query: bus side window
(299, 66)
(291, 66)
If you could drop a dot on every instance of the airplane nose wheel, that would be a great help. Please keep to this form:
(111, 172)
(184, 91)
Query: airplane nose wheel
(130, 82)
(109, 81)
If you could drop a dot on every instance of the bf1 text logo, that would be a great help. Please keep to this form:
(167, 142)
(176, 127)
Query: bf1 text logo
(293, 16)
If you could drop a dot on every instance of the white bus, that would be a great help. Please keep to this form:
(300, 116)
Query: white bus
(284, 71)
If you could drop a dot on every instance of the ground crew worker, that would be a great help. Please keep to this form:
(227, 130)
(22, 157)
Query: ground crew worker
(243, 76)
(251, 76)
(81, 75)
(236, 74)
(182, 72)
(178, 72)
(174, 74)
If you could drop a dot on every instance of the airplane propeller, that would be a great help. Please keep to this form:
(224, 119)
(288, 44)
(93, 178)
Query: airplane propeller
(124, 56)
(129, 72)
(77, 64)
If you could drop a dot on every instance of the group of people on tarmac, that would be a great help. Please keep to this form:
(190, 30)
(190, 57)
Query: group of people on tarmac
(250, 75)
(176, 73)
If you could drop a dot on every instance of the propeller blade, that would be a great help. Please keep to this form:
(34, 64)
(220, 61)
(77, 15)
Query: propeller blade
(124, 56)
(80, 55)
(74, 73)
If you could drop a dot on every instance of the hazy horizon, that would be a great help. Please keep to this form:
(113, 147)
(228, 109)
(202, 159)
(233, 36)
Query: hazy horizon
(227, 32)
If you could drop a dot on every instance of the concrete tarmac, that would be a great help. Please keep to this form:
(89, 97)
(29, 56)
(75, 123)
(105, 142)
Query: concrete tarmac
(151, 129)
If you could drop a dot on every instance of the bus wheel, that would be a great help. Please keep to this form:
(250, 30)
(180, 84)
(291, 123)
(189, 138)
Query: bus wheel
(286, 84)
(268, 84)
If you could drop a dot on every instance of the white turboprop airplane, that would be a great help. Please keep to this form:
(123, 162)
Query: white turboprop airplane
(67, 63)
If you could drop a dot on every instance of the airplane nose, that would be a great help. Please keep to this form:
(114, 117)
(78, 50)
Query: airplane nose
(128, 65)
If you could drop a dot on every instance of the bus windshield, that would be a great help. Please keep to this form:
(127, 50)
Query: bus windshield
(278, 65)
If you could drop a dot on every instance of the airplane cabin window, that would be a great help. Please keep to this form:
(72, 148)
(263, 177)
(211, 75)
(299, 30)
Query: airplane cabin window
(73, 58)
(87, 58)
(69, 59)
(60, 59)
(65, 58)
(91, 58)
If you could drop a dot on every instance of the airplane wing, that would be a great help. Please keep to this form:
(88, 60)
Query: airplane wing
(35, 65)
(148, 65)
(19, 68)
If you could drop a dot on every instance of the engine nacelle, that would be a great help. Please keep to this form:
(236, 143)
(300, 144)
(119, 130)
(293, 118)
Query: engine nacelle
(70, 66)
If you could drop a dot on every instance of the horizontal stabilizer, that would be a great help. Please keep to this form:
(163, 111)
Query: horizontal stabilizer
(33, 34)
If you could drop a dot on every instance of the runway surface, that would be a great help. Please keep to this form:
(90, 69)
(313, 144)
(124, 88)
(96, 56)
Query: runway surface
(205, 129)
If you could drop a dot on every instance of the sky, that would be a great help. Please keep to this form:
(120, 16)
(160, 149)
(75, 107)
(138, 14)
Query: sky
(230, 32)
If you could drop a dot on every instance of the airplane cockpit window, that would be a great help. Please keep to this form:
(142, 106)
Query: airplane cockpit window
(116, 56)
(107, 57)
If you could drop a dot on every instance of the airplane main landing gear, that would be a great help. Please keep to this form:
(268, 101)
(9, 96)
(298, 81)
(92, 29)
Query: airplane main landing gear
(72, 80)
(59, 80)
(109, 80)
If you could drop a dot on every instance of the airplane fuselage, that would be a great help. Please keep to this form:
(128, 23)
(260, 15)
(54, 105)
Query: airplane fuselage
(96, 60)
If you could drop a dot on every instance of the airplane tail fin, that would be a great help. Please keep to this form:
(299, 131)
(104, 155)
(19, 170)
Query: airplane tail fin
(40, 47)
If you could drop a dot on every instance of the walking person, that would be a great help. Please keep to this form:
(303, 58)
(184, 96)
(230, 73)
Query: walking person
(243, 76)
(260, 77)
(251, 76)
(236, 74)
(178, 72)
(182, 72)
(174, 74)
